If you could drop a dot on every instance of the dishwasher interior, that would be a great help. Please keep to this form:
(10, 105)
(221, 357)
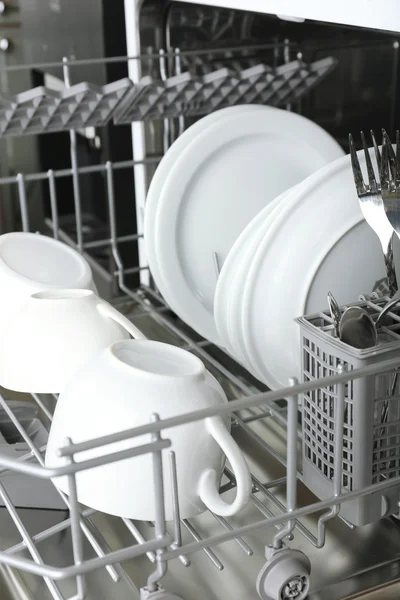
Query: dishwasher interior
(51, 547)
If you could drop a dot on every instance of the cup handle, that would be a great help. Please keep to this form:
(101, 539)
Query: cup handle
(209, 482)
(112, 313)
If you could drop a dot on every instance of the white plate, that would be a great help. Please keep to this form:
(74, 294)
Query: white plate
(240, 322)
(228, 286)
(319, 242)
(221, 181)
(236, 324)
(162, 172)
(229, 290)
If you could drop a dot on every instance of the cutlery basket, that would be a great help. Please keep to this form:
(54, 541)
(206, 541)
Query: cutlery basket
(371, 429)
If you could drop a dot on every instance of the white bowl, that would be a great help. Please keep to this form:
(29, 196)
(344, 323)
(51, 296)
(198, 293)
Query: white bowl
(120, 389)
(31, 263)
(53, 334)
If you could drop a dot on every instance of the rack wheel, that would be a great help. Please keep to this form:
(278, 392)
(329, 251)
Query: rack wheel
(160, 594)
(285, 576)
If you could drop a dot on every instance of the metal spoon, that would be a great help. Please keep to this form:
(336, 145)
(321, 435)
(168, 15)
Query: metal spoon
(335, 312)
(357, 329)
(395, 300)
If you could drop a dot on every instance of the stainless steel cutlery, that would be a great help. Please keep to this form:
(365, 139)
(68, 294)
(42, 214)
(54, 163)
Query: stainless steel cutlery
(377, 201)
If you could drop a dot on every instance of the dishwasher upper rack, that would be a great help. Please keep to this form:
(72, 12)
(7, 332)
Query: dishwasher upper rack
(44, 110)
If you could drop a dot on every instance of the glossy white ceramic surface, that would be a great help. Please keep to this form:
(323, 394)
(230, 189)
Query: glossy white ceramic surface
(213, 188)
(53, 334)
(121, 388)
(31, 263)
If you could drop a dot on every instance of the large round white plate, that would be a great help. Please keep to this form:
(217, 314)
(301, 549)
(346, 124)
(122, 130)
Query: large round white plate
(236, 333)
(238, 336)
(162, 172)
(319, 242)
(261, 224)
(230, 280)
(221, 181)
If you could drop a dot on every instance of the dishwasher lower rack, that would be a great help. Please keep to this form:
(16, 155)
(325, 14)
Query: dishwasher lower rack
(286, 572)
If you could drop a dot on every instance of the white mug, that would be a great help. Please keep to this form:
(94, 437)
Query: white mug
(53, 334)
(30, 263)
(120, 388)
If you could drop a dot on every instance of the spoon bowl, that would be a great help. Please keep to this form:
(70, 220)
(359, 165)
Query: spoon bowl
(395, 300)
(357, 328)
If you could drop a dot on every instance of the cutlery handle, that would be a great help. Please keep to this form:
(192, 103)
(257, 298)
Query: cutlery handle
(335, 312)
(112, 313)
(390, 269)
(209, 482)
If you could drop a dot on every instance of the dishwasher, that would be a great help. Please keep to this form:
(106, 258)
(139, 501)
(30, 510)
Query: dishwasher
(287, 543)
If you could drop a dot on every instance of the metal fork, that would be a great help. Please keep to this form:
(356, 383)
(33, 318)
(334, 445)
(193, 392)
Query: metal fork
(390, 180)
(386, 196)
(372, 205)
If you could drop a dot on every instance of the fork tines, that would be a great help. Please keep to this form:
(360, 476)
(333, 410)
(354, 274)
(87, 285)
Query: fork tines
(388, 164)
(372, 186)
(357, 173)
(390, 168)
(380, 199)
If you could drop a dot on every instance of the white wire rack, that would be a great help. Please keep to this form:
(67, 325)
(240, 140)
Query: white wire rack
(167, 542)
(279, 407)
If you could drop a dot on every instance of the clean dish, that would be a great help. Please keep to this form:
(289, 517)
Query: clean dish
(53, 334)
(230, 282)
(318, 242)
(120, 389)
(162, 171)
(233, 168)
(31, 263)
(235, 325)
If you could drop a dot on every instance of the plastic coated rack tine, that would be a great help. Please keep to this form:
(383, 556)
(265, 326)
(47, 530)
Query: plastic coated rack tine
(207, 551)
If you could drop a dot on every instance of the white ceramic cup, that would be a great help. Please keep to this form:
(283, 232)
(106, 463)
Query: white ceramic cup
(121, 388)
(53, 334)
(31, 263)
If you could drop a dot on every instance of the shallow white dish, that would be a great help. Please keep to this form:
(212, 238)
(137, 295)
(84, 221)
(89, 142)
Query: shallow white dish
(229, 288)
(236, 322)
(162, 172)
(219, 183)
(318, 242)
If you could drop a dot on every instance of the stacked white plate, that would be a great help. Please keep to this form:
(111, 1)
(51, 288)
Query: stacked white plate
(310, 240)
(208, 187)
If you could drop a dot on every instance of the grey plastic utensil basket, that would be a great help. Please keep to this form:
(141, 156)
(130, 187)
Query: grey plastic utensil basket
(371, 438)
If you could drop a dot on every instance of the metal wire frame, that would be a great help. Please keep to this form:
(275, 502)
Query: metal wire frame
(268, 408)
(164, 546)
(171, 544)
(143, 56)
(167, 546)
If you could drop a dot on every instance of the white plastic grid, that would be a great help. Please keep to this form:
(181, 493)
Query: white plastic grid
(318, 415)
(42, 110)
(370, 444)
(192, 95)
